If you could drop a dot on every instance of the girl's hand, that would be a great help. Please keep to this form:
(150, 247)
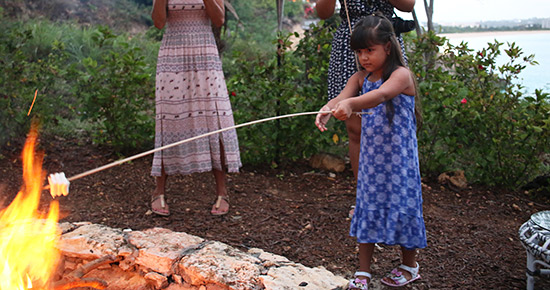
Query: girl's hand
(342, 111)
(322, 118)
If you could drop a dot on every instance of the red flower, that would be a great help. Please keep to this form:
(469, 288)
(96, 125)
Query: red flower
(464, 101)
(233, 94)
(480, 67)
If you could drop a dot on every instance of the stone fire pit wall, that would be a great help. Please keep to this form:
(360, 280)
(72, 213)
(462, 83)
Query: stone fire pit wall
(159, 258)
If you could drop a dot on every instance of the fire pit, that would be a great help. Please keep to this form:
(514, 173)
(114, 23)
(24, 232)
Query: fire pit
(158, 258)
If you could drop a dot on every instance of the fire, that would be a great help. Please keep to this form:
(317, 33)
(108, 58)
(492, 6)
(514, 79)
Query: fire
(28, 239)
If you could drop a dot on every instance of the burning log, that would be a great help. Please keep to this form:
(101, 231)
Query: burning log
(97, 284)
(75, 280)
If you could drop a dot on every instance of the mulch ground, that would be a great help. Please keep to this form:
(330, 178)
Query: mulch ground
(297, 212)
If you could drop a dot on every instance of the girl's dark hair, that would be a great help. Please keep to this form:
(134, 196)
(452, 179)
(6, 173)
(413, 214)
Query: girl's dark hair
(377, 29)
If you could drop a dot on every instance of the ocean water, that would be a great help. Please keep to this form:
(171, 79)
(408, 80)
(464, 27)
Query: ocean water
(531, 42)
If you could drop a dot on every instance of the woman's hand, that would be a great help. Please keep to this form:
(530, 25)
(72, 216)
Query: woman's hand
(215, 10)
(403, 5)
(325, 8)
(159, 13)
(343, 110)
(322, 118)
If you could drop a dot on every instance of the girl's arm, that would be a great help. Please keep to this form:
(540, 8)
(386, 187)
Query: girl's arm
(350, 90)
(353, 86)
(400, 82)
(159, 13)
(403, 5)
(325, 8)
(216, 11)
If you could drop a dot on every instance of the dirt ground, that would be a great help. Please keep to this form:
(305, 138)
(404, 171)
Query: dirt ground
(297, 212)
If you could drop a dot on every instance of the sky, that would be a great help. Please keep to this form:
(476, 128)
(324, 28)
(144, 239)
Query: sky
(451, 11)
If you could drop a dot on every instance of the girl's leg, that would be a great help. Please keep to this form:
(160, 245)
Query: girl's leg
(365, 258)
(408, 259)
(158, 203)
(362, 277)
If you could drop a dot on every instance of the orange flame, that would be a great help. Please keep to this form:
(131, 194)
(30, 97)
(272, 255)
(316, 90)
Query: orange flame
(28, 239)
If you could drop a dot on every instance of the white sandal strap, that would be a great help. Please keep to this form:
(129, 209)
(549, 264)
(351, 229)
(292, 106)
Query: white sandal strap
(162, 201)
(219, 200)
(362, 273)
(413, 271)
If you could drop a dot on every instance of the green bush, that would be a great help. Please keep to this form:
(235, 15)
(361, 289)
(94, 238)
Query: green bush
(117, 92)
(256, 25)
(475, 116)
(283, 83)
(77, 72)
(31, 61)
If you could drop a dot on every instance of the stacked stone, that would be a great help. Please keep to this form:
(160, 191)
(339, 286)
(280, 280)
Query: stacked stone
(159, 258)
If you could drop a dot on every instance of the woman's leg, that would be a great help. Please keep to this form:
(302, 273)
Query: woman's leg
(161, 183)
(353, 126)
(158, 203)
(221, 206)
(219, 177)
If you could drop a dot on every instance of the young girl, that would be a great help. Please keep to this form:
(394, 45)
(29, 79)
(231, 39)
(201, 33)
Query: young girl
(342, 64)
(389, 197)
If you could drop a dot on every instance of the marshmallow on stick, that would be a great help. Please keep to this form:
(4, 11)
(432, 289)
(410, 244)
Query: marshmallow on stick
(59, 184)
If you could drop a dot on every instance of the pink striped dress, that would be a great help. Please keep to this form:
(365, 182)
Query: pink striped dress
(191, 96)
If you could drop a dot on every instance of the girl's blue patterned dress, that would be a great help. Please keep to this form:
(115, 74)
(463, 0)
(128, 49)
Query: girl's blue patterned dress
(389, 191)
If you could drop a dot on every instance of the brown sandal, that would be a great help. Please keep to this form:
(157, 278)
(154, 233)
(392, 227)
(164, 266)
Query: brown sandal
(215, 209)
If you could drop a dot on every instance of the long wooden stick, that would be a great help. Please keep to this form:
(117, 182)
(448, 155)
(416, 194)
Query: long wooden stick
(118, 162)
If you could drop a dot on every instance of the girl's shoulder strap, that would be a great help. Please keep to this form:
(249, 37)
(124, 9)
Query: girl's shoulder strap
(366, 78)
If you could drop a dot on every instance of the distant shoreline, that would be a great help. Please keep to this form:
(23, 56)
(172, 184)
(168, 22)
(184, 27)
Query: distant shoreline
(491, 33)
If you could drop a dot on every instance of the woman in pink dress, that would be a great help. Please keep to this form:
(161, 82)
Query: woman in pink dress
(191, 99)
